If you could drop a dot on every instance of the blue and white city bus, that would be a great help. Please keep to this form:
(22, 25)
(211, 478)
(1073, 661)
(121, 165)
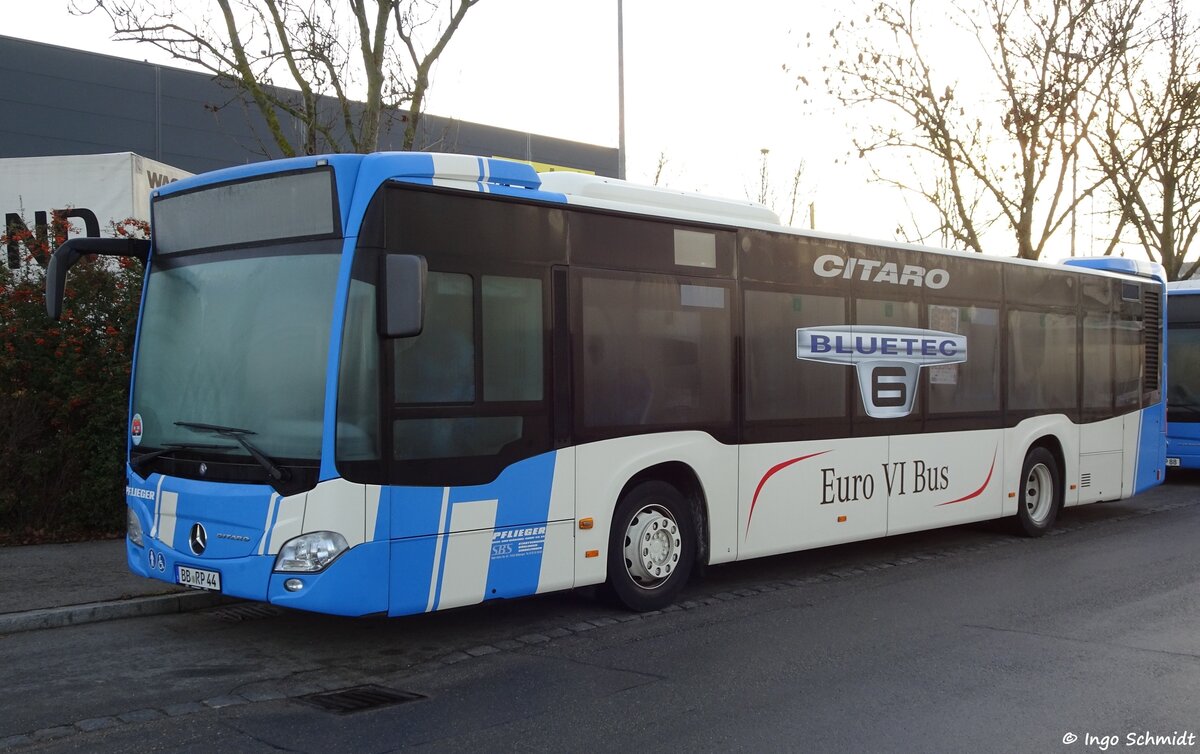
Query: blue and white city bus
(398, 383)
(1183, 374)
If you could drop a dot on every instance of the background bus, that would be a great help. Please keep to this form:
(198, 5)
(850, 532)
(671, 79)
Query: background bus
(1183, 374)
(398, 383)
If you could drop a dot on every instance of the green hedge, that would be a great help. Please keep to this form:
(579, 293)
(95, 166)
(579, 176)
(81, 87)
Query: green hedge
(64, 393)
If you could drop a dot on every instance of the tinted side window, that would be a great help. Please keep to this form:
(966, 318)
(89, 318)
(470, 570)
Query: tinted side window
(469, 390)
(973, 385)
(1098, 334)
(654, 351)
(778, 385)
(512, 339)
(438, 366)
(1042, 361)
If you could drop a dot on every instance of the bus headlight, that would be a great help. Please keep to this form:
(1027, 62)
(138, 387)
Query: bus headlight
(310, 552)
(133, 526)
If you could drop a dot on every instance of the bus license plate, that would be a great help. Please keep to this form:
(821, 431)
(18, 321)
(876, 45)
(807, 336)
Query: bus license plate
(198, 578)
(1172, 461)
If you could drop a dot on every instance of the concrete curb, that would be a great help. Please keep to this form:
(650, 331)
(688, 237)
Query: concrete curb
(95, 612)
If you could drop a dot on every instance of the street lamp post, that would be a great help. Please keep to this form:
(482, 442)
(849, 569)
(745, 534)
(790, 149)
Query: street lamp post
(620, 90)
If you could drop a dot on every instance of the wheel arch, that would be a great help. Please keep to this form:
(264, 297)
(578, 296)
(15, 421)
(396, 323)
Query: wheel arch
(684, 478)
(1054, 445)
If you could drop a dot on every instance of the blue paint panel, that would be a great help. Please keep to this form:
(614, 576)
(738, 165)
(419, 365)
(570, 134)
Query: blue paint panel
(523, 490)
(1151, 461)
(516, 174)
(240, 577)
(351, 585)
(235, 510)
(504, 177)
(522, 493)
(413, 511)
(1183, 442)
(1139, 267)
(333, 362)
(375, 170)
(238, 510)
(411, 574)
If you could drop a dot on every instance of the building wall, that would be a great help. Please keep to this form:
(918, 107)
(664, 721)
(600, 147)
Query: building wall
(57, 101)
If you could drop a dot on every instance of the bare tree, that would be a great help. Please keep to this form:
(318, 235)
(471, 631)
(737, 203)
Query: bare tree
(1040, 59)
(349, 82)
(659, 168)
(794, 195)
(765, 195)
(1149, 148)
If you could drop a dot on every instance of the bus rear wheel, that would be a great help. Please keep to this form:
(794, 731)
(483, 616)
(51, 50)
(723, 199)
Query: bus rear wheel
(1040, 497)
(651, 547)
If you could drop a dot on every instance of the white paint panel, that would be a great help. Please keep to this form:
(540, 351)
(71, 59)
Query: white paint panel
(792, 494)
(288, 522)
(1018, 440)
(438, 544)
(372, 492)
(603, 468)
(157, 507)
(168, 503)
(944, 479)
(562, 488)
(1100, 477)
(1106, 436)
(1133, 431)
(340, 506)
(558, 557)
(468, 553)
(266, 531)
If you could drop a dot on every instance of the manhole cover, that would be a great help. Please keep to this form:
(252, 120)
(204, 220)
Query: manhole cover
(359, 698)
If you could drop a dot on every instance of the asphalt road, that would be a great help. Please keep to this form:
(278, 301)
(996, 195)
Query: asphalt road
(960, 639)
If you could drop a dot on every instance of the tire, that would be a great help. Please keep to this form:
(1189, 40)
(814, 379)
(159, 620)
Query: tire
(1040, 498)
(651, 547)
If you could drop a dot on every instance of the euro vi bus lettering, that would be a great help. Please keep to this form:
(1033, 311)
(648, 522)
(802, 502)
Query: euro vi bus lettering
(899, 478)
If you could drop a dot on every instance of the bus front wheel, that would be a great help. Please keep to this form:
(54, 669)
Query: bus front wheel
(651, 546)
(1040, 496)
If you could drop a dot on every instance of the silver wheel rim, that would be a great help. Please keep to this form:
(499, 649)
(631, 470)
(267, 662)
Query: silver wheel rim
(1039, 493)
(652, 546)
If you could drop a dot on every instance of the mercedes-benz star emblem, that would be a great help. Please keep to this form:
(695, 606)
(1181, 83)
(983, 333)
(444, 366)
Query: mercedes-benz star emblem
(198, 539)
(203, 468)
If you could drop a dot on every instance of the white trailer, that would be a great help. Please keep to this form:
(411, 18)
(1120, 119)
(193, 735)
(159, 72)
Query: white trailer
(89, 191)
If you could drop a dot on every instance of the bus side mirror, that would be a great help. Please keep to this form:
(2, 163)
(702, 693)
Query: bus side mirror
(402, 297)
(72, 250)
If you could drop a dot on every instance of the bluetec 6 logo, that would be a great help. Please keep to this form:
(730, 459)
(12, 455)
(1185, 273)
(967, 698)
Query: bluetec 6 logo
(888, 360)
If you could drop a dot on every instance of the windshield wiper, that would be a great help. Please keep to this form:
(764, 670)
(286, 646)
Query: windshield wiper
(239, 435)
(139, 463)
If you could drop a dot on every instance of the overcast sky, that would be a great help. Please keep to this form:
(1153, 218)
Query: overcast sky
(704, 87)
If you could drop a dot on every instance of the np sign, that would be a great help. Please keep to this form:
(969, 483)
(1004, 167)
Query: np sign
(887, 360)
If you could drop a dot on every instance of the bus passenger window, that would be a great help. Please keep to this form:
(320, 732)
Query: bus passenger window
(655, 352)
(780, 386)
(438, 366)
(1041, 361)
(973, 385)
(512, 339)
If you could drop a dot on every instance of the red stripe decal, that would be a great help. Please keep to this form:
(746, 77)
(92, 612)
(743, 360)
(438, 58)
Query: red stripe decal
(979, 491)
(772, 472)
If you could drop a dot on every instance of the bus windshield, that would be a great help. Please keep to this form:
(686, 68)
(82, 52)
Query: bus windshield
(1183, 368)
(237, 340)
